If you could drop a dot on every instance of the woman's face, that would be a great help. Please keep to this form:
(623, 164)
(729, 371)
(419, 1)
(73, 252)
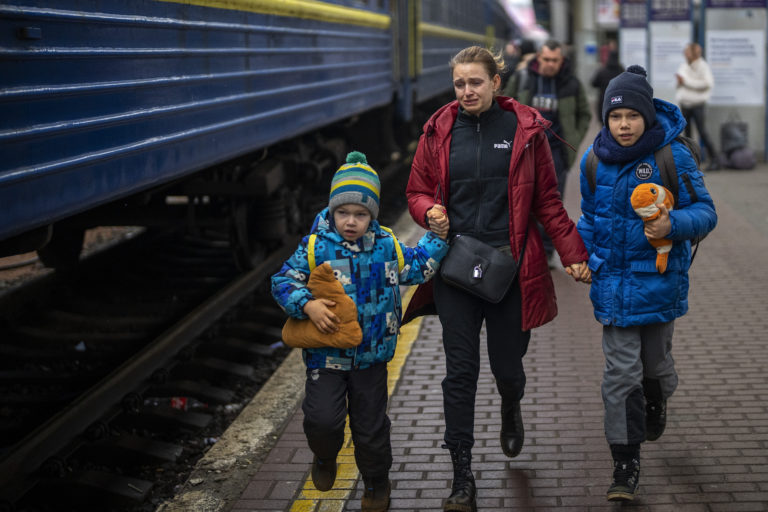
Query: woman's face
(474, 88)
(626, 125)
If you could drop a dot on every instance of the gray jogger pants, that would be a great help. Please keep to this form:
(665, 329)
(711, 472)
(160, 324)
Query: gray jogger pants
(634, 355)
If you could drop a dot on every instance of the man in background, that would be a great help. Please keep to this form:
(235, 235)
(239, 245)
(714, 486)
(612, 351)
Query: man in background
(548, 84)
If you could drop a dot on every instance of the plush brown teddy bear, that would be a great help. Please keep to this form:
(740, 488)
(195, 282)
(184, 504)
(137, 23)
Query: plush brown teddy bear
(304, 334)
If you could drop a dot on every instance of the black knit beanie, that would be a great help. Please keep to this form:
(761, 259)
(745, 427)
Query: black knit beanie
(630, 90)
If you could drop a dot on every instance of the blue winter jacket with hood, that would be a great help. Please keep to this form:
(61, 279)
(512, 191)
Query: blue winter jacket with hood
(626, 288)
(368, 270)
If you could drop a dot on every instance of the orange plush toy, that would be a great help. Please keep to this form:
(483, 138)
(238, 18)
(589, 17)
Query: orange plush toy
(644, 199)
(304, 334)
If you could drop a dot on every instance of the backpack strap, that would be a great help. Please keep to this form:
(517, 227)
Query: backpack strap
(311, 252)
(666, 162)
(591, 170)
(313, 239)
(398, 249)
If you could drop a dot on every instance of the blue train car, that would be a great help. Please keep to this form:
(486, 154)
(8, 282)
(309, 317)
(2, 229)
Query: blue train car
(109, 108)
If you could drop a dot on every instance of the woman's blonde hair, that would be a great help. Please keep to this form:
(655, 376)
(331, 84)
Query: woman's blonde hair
(493, 63)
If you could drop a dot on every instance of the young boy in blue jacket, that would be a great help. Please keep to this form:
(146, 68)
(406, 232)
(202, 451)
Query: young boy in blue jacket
(371, 264)
(637, 304)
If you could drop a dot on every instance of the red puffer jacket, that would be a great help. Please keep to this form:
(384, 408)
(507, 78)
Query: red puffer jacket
(532, 190)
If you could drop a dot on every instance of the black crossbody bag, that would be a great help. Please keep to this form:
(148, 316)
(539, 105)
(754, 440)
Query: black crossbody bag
(480, 269)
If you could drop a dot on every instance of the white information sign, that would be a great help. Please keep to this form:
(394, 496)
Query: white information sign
(737, 60)
(668, 40)
(633, 47)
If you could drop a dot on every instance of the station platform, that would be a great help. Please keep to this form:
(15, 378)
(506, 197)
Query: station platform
(713, 456)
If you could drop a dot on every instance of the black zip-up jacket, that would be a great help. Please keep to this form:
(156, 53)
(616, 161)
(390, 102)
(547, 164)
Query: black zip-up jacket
(481, 149)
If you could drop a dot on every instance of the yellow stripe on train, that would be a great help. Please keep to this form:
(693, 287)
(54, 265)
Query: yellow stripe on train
(306, 9)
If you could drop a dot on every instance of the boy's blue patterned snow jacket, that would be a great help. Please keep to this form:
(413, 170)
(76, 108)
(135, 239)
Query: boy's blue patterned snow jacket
(368, 271)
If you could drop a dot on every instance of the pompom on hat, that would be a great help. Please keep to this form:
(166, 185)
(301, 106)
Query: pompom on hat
(355, 182)
(630, 90)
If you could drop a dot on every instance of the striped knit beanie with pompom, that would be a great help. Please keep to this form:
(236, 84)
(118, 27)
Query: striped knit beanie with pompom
(355, 183)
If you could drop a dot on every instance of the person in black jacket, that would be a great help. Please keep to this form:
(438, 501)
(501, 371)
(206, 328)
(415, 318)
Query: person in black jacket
(611, 70)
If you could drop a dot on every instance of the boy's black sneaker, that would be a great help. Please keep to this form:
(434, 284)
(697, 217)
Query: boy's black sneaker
(655, 419)
(323, 473)
(626, 477)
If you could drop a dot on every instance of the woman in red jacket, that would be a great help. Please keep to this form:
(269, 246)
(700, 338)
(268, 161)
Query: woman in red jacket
(485, 161)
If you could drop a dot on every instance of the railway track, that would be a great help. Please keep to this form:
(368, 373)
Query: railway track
(117, 376)
(127, 368)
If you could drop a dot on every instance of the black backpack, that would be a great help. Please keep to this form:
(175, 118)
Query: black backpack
(668, 170)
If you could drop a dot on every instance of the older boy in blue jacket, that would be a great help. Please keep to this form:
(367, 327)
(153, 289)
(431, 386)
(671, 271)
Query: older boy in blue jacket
(637, 304)
(371, 264)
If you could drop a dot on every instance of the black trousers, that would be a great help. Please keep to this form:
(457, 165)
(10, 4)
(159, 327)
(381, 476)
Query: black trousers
(462, 316)
(330, 396)
(696, 114)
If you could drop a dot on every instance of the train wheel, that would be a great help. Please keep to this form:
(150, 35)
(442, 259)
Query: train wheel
(63, 250)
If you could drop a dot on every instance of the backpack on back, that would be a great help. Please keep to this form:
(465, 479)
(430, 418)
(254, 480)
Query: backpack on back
(668, 170)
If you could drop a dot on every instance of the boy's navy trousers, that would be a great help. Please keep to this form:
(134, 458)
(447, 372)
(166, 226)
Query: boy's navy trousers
(330, 396)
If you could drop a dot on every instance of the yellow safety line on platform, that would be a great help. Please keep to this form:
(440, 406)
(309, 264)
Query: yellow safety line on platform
(307, 9)
(312, 500)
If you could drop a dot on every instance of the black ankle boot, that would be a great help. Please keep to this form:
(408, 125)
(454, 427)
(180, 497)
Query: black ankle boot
(376, 494)
(512, 429)
(463, 491)
(323, 473)
(626, 472)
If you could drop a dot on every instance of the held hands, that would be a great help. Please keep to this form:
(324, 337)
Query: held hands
(579, 272)
(317, 311)
(660, 226)
(437, 219)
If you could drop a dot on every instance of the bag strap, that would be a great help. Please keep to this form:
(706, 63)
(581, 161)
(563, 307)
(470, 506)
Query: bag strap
(522, 250)
(398, 249)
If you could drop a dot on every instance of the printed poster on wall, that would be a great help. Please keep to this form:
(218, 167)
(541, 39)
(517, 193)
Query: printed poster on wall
(670, 10)
(736, 4)
(670, 28)
(633, 48)
(633, 34)
(607, 12)
(667, 42)
(737, 60)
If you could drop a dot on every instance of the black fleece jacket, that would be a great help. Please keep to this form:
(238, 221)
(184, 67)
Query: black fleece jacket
(481, 148)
